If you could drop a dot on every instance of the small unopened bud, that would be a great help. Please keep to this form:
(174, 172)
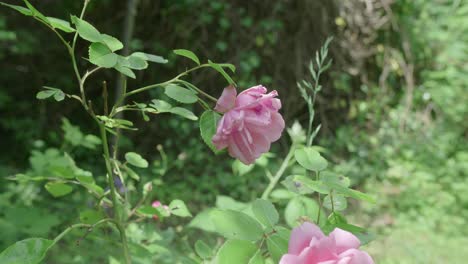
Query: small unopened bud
(147, 188)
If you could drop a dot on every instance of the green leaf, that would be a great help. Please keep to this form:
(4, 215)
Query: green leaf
(236, 251)
(125, 70)
(148, 210)
(179, 208)
(240, 168)
(208, 123)
(102, 56)
(330, 177)
(203, 221)
(310, 159)
(112, 43)
(58, 189)
(59, 95)
(220, 69)
(301, 208)
(93, 188)
(150, 57)
(28, 251)
(282, 194)
(86, 30)
(91, 217)
(187, 54)
(339, 202)
(85, 179)
(257, 258)
(35, 12)
(350, 192)
(296, 186)
(226, 202)
(265, 212)
(317, 186)
(136, 63)
(229, 66)
(236, 225)
(277, 245)
(181, 94)
(45, 94)
(203, 250)
(184, 113)
(160, 105)
(136, 160)
(132, 173)
(60, 24)
(20, 9)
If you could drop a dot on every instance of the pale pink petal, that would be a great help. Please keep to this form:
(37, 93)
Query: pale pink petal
(156, 204)
(227, 99)
(261, 144)
(240, 150)
(273, 130)
(321, 252)
(290, 259)
(356, 257)
(344, 240)
(258, 117)
(301, 237)
(258, 89)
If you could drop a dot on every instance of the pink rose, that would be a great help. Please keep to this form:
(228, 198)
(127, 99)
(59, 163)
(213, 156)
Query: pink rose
(250, 123)
(308, 245)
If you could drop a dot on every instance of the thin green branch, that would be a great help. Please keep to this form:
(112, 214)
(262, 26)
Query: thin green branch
(279, 173)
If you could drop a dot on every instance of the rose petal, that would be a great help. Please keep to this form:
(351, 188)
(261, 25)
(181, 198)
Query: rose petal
(301, 237)
(227, 99)
(290, 259)
(344, 240)
(356, 257)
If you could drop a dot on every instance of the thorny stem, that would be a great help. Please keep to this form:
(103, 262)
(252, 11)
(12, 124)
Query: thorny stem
(70, 228)
(110, 178)
(279, 173)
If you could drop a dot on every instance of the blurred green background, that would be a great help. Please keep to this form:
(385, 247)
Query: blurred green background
(394, 111)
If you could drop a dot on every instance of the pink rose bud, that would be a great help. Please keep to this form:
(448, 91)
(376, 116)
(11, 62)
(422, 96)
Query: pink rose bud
(308, 245)
(250, 124)
(157, 204)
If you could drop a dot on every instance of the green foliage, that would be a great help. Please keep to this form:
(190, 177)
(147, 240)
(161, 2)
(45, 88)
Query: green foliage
(310, 159)
(188, 54)
(136, 160)
(236, 225)
(181, 94)
(28, 251)
(208, 122)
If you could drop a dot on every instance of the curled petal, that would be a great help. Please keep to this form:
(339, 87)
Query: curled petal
(227, 99)
(344, 240)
